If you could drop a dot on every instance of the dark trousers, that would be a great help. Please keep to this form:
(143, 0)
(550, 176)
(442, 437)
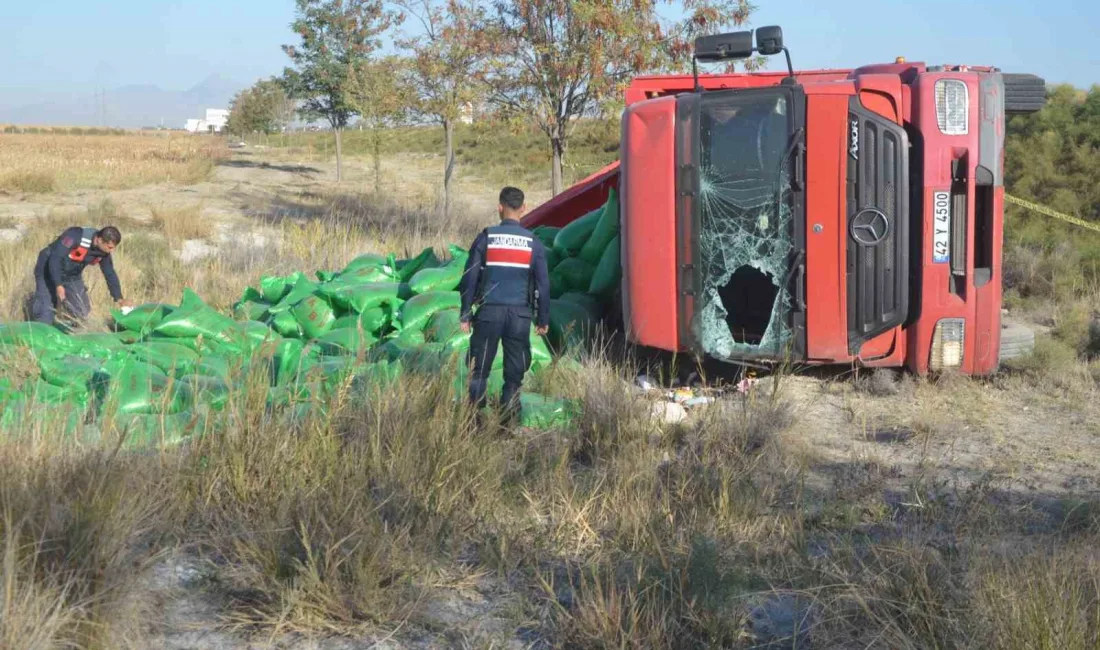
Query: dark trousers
(509, 327)
(44, 305)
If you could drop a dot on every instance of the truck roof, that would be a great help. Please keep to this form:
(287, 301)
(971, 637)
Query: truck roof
(649, 86)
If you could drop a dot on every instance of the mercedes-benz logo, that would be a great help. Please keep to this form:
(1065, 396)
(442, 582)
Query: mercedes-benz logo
(869, 227)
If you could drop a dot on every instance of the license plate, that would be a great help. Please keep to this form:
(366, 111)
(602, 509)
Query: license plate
(941, 227)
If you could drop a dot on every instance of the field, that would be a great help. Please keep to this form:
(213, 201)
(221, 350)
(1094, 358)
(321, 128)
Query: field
(42, 163)
(835, 509)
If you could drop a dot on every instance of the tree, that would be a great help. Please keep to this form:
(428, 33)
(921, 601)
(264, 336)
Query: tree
(336, 36)
(559, 60)
(378, 93)
(262, 108)
(444, 64)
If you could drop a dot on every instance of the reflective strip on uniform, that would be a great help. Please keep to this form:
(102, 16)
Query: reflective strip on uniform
(508, 250)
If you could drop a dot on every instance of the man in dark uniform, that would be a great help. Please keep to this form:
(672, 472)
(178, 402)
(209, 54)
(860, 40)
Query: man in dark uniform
(507, 278)
(57, 274)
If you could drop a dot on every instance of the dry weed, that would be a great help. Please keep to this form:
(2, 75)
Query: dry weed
(46, 162)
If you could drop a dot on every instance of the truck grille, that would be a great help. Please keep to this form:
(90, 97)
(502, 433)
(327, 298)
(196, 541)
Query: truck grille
(878, 225)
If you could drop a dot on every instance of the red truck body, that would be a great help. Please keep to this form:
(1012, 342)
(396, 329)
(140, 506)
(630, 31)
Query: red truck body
(836, 217)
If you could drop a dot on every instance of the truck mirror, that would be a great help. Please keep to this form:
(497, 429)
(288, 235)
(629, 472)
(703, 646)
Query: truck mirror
(719, 47)
(769, 40)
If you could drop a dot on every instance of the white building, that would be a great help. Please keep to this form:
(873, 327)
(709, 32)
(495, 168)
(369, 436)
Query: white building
(214, 122)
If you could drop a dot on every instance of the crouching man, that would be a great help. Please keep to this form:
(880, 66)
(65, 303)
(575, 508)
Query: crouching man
(58, 281)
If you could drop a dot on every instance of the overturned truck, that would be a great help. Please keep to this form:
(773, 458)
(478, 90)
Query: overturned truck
(817, 217)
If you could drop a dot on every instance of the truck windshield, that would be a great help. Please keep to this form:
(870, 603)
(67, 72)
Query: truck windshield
(745, 225)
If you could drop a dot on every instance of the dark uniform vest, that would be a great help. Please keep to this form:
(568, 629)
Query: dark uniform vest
(79, 252)
(506, 278)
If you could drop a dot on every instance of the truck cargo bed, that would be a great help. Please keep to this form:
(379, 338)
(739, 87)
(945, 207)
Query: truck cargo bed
(580, 199)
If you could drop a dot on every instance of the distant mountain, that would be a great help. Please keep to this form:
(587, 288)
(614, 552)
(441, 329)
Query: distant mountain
(131, 106)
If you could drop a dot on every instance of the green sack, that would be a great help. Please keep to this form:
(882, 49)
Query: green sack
(573, 274)
(609, 272)
(287, 360)
(394, 347)
(293, 394)
(540, 352)
(572, 237)
(606, 229)
(373, 320)
(416, 312)
(592, 304)
(194, 318)
(97, 345)
(444, 278)
(337, 372)
(557, 286)
(149, 431)
(539, 412)
(33, 335)
(349, 340)
(258, 333)
(570, 323)
(274, 288)
(302, 289)
(214, 366)
(458, 255)
(546, 235)
(207, 389)
(443, 326)
(141, 387)
(360, 297)
(314, 315)
(367, 275)
(376, 319)
(143, 318)
(411, 337)
(166, 355)
(46, 394)
(365, 261)
(425, 260)
(285, 324)
(68, 371)
(553, 258)
(429, 359)
(250, 310)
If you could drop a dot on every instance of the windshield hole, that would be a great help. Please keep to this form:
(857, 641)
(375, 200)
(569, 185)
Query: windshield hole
(749, 299)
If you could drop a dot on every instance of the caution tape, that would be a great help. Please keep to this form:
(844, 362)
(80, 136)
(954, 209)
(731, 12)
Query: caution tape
(1043, 210)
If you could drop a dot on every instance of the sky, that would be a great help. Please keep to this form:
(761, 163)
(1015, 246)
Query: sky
(51, 48)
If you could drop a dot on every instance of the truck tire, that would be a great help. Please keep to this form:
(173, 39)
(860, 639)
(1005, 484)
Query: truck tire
(1024, 93)
(1016, 341)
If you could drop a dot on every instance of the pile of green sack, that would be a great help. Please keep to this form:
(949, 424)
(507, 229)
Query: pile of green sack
(167, 368)
(585, 270)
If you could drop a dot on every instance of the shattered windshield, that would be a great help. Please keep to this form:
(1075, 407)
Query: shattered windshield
(745, 235)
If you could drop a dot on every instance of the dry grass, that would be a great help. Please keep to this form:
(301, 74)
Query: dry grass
(28, 182)
(182, 223)
(45, 163)
(357, 512)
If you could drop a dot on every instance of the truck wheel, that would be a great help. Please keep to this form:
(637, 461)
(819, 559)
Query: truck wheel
(1024, 93)
(1016, 341)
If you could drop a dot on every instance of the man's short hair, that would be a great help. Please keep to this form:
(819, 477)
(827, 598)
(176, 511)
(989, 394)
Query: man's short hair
(512, 197)
(110, 234)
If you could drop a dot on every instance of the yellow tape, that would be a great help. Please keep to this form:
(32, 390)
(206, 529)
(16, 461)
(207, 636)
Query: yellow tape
(1043, 210)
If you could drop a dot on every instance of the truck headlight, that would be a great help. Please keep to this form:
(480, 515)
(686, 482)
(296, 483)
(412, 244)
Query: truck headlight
(952, 106)
(947, 344)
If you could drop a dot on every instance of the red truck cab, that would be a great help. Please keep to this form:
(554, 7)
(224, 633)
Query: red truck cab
(818, 217)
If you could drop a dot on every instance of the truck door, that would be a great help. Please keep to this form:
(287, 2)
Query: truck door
(741, 216)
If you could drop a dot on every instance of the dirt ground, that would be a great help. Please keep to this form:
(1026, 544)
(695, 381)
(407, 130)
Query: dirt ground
(912, 440)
